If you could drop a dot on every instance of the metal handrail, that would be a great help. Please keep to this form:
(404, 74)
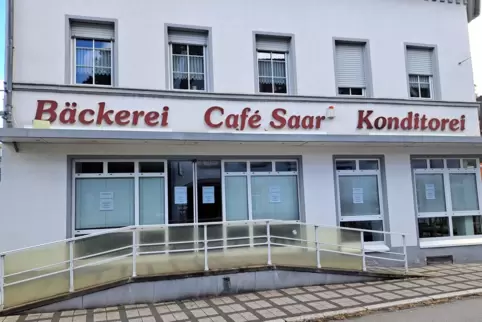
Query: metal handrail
(67, 240)
(231, 223)
(200, 245)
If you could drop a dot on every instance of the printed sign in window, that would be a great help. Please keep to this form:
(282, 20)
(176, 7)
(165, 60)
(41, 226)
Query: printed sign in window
(208, 195)
(274, 194)
(180, 195)
(106, 201)
(357, 195)
(429, 191)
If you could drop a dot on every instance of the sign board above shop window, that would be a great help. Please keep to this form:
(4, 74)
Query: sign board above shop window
(253, 117)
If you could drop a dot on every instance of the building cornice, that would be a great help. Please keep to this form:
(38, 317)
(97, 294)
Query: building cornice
(473, 7)
(99, 136)
(183, 95)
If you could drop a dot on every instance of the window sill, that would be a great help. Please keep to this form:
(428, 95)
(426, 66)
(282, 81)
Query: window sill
(439, 243)
(376, 248)
(422, 98)
(370, 247)
(93, 85)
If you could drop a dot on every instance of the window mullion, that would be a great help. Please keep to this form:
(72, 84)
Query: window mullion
(93, 62)
(419, 83)
(250, 200)
(74, 74)
(205, 69)
(448, 200)
(136, 194)
(171, 67)
(479, 185)
(188, 69)
(272, 73)
(286, 73)
(112, 71)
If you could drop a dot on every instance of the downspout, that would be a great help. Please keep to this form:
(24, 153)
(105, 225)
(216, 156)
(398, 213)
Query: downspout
(8, 83)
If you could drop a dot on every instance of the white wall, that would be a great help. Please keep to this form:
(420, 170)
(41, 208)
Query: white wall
(40, 46)
(34, 199)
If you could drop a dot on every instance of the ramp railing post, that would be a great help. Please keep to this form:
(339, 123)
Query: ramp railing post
(2, 281)
(405, 252)
(71, 266)
(134, 252)
(206, 266)
(362, 241)
(268, 236)
(317, 245)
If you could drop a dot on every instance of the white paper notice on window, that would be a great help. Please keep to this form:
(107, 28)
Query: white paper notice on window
(208, 195)
(180, 195)
(357, 195)
(106, 195)
(274, 194)
(106, 201)
(106, 205)
(429, 191)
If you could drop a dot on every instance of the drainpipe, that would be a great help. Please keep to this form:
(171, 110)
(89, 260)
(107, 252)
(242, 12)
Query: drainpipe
(8, 83)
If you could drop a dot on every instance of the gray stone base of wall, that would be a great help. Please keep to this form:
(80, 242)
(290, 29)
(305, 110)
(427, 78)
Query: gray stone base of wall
(421, 256)
(201, 286)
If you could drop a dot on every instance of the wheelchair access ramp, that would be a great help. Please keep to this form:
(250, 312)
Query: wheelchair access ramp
(55, 272)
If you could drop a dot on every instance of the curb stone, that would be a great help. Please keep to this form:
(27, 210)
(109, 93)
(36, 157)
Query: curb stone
(402, 304)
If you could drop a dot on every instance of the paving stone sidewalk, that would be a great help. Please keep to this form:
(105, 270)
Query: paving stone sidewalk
(280, 305)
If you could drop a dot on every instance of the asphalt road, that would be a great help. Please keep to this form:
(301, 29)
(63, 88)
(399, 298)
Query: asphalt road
(463, 310)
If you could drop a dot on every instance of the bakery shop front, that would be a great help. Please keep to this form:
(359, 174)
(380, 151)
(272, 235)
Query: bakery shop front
(92, 162)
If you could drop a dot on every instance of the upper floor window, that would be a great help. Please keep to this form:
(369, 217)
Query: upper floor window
(93, 51)
(188, 59)
(273, 64)
(420, 72)
(350, 68)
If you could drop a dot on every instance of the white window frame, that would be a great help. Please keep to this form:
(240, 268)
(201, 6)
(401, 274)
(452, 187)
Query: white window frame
(136, 175)
(357, 172)
(352, 88)
(366, 66)
(74, 61)
(171, 68)
(430, 80)
(287, 76)
(249, 174)
(448, 213)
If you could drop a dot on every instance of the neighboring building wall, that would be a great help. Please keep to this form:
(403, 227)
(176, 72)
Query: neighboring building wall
(141, 43)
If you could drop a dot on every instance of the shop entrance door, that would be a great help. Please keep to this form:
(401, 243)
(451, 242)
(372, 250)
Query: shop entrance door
(195, 193)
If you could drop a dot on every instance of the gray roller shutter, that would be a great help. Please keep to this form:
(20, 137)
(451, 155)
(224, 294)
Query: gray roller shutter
(419, 61)
(80, 29)
(350, 65)
(188, 37)
(276, 44)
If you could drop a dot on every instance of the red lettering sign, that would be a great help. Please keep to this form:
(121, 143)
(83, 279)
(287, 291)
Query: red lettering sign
(214, 118)
(246, 119)
(47, 110)
(413, 121)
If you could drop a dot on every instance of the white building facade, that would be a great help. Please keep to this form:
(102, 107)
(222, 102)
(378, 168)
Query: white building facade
(341, 113)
